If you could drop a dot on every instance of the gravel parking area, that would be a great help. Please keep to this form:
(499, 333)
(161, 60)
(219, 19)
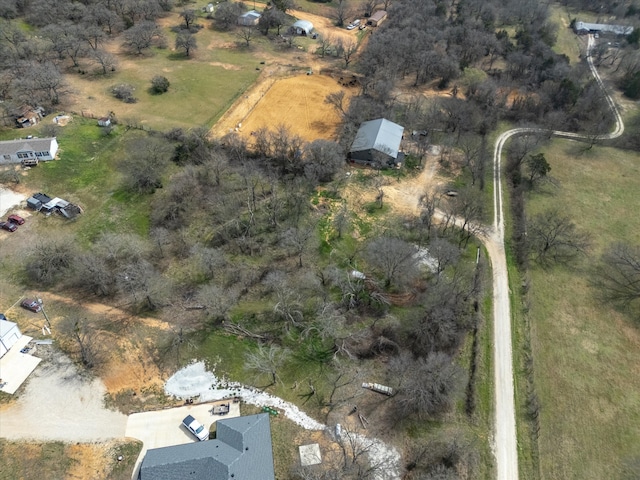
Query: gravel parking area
(59, 403)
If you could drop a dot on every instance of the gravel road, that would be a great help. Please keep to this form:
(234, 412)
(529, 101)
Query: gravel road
(60, 404)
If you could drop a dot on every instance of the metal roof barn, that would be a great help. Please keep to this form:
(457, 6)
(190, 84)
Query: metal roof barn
(377, 141)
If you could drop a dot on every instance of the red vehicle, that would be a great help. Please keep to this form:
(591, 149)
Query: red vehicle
(16, 219)
(31, 304)
(10, 227)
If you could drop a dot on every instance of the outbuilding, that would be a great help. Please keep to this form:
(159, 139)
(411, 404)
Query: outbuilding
(302, 27)
(377, 144)
(584, 28)
(249, 19)
(377, 18)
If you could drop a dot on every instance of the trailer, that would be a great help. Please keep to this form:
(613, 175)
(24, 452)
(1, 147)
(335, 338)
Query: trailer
(376, 387)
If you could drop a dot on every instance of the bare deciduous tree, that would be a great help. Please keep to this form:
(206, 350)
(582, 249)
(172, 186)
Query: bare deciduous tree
(266, 360)
(427, 386)
(618, 275)
(186, 41)
(391, 256)
(554, 238)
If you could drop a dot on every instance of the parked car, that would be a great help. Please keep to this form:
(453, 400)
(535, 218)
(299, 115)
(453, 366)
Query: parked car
(351, 26)
(10, 227)
(31, 304)
(196, 428)
(16, 219)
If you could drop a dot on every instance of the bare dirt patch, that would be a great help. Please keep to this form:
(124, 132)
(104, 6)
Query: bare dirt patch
(296, 102)
(226, 66)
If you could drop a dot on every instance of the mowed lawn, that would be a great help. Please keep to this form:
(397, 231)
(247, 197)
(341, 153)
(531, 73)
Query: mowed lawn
(202, 87)
(587, 356)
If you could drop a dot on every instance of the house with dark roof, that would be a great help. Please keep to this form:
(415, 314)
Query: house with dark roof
(241, 451)
(28, 150)
(377, 144)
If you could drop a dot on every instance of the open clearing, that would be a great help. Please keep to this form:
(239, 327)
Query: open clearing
(297, 103)
(587, 355)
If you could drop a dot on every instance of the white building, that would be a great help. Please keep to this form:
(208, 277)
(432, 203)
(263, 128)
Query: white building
(302, 27)
(9, 335)
(27, 150)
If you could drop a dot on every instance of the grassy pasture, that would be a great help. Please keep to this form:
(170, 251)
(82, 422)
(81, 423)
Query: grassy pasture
(567, 43)
(202, 87)
(586, 354)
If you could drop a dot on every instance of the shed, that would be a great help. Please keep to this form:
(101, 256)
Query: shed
(377, 18)
(209, 8)
(249, 19)
(34, 204)
(302, 27)
(377, 143)
(104, 121)
(9, 335)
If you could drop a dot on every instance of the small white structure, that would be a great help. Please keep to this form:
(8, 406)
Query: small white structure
(25, 149)
(302, 27)
(376, 387)
(249, 19)
(104, 121)
(310, 454)
(9, 335)
(209, 8)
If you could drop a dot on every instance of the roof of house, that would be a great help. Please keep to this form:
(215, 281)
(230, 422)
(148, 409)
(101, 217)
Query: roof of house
(251, 14)
(379, 15)
(11, 147)
(381, 135)
(304, 25)
(241, 451)
(6, 326)
(602, 27)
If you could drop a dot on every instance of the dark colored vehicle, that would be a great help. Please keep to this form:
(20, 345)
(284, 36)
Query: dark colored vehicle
(16, 219)
(10, 227)
(31, 304)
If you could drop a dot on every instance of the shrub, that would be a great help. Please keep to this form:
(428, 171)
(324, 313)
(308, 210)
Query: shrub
(124, 92)
(159, 84)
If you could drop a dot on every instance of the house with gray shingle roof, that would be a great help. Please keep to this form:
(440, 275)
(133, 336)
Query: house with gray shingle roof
(377, 144)
(241, 451)
(28, 150)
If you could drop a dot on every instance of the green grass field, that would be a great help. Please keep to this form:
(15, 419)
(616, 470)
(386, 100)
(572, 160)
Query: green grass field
(567, 42)
(202, 87)
(586, 354)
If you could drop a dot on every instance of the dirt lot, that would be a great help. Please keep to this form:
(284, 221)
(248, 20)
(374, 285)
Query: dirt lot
(296, 102)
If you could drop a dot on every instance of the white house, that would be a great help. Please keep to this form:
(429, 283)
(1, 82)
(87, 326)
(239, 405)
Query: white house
(302, 27)
(9, 334)
(27, 150)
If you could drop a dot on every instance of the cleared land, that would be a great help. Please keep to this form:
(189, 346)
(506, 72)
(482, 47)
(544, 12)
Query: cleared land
(296, 102)
(202, 87)
(587, 355)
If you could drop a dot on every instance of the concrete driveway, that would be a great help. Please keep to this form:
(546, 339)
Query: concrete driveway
(163, 428)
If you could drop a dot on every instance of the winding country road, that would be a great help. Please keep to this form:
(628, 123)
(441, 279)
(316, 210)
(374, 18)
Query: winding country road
(505, 447)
